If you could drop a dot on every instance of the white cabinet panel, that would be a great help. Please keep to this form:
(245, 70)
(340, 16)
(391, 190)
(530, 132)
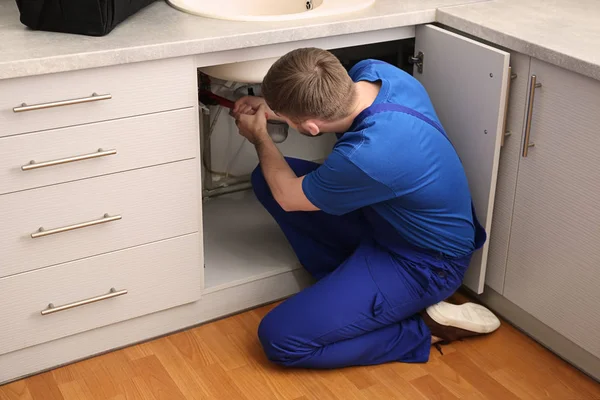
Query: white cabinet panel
(154, 203)
(156, 276)
(467, 82)
(507, 174)
(136, 88)
(553, 268)
(136, 142)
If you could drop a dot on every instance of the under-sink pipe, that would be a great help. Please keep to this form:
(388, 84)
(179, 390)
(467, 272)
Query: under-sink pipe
(204, 154)
(234, 158)
(238, 187)
(208, 188)
(240, 183)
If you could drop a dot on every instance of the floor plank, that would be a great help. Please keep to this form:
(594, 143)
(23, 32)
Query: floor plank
(152, 377)
(431, 388)
(44, 386)
(75, 390)
(223, 360)
(15, 391)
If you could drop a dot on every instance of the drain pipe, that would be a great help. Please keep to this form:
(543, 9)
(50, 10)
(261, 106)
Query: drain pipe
(238, 187)
(205, 143)
(208, 187)
(277, 130)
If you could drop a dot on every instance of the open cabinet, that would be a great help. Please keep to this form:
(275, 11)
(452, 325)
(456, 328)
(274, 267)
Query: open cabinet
(242, 242)
(246, 258)
(467, 82)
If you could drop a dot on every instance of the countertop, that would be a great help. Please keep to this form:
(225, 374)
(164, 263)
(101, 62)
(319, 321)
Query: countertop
(563, 32)
(160, 31)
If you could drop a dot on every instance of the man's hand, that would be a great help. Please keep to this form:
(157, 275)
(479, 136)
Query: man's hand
(254, 126)
(249, 105)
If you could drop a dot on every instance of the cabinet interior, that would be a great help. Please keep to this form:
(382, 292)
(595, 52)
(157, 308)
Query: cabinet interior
(242, 242)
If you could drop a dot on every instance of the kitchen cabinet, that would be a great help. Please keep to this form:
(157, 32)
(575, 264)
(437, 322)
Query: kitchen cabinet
(234, 256)
(470, 100)
(554, 254)
(131, 282)
(35, 103)
(101, 216)
(538, 210)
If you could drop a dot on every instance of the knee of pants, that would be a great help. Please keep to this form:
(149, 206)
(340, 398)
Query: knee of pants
(278, 345)
(259, 185)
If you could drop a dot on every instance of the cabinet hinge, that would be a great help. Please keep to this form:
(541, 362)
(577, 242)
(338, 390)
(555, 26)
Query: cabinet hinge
(418, 61)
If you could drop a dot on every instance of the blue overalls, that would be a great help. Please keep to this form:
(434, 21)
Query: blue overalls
(371, 284)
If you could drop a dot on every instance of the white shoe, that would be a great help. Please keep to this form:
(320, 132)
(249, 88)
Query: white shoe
(451, 322)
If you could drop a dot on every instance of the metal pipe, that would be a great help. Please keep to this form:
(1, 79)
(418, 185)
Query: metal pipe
(205, 150)
(239, 187)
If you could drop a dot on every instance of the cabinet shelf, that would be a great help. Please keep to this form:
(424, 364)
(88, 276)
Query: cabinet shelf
(242, 242)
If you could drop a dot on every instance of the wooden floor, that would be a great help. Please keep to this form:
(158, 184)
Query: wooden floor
(223, 360)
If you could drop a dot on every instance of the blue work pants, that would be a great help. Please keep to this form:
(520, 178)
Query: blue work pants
(370, 287)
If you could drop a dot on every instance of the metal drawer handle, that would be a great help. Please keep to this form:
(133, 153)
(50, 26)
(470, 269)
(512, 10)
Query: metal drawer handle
(532, 86)
(511, 76)
(100, 153)
(94, 97)
(51, 309)
(107, 218)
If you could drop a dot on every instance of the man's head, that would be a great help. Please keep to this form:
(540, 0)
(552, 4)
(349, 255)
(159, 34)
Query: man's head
(309, 88)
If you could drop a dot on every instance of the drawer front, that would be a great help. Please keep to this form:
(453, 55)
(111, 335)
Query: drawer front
(152, 203)
(122, 91)
(126, 143)
(155, 277)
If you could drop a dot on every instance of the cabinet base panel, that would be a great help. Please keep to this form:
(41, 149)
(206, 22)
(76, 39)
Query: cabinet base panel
(541, 333)
(242, 242)
(211, 306)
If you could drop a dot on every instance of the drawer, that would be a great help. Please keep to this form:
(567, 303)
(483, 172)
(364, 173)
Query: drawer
(155, 277)
(121, 91)
(126, 143)
(152, 203)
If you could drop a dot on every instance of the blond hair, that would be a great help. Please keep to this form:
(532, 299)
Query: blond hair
(309, 83)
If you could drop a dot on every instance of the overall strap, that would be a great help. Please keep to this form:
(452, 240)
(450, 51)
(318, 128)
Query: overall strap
(480, 234)
(384, 107)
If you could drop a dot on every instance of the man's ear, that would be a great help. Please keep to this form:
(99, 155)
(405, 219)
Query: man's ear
(311, 127)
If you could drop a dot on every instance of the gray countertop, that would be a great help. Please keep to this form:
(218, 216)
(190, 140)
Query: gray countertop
(562, 32)
(566, 33)
(160, 31)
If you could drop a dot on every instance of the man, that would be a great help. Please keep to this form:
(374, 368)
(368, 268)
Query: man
(385, 225)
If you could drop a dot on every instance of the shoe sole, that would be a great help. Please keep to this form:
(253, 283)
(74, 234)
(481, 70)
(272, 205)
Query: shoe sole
(469, 317)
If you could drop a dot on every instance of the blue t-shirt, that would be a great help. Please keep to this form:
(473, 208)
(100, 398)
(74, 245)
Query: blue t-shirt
(400, 165)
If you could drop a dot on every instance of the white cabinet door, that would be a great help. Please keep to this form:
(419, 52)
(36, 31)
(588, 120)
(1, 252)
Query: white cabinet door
(467, 82)
(553, 269)
(507, 174)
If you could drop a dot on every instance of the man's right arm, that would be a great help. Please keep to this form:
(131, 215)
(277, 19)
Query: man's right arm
(339, 186)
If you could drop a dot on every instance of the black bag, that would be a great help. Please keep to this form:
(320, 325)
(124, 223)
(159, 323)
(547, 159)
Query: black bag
(84, 17)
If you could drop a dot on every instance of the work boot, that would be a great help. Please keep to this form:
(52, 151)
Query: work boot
(450, 322)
